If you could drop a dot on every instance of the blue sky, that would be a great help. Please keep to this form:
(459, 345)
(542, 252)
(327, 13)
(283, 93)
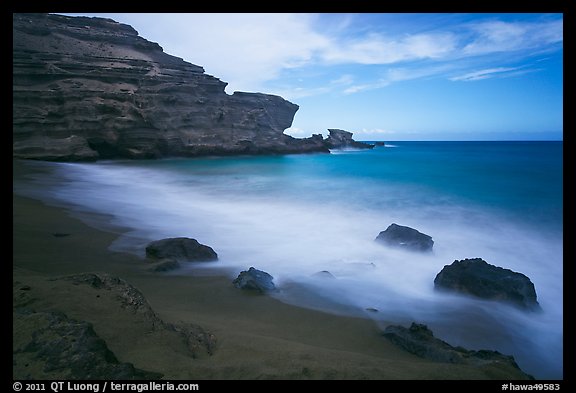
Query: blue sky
(384, 76)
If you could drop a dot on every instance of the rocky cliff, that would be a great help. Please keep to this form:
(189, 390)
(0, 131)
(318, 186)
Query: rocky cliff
(90, 88)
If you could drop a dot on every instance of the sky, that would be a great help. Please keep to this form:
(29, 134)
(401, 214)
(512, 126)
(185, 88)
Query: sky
(385, 76)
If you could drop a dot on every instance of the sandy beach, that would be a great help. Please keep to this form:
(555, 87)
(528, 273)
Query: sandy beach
(256, 336)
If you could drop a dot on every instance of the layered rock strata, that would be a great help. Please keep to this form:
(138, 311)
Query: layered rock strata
(90, 88)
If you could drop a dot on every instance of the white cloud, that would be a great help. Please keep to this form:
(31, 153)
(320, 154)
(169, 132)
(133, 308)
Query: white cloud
(251, 50)
(489, 73)
(498, 36)
(398, 74)
(376, 131)
(245, 50)
(296, 132)
(345, 79)
(378, 49)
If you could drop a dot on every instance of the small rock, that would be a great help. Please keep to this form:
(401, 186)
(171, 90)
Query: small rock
(255, 279)
(324, 274)
(405, 237)
(181, 249)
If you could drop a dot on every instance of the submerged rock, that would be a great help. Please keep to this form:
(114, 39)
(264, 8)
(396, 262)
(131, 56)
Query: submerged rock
(420, 341)
(256, 280)
(181, 249)
(478, 278)
(324, 274)
(405, 237)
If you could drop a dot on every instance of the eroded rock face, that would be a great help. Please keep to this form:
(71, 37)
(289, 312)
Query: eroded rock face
(405, 237)
(478, 278)
(89, 88)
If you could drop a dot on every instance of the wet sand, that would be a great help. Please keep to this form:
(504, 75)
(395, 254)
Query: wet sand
(258, 337)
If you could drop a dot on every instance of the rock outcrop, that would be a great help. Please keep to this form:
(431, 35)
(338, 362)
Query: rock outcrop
(64, 348)
(63, 339)
(180, 249)
(340, 139)
(195, 338)
(478, 278)
(89, 88)
(420, 341)
(255, 280)
(406, 238)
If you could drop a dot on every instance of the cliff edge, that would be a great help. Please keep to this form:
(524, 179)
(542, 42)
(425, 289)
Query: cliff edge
(91, 88)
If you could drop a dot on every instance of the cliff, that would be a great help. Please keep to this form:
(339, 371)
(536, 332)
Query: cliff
(90, 88)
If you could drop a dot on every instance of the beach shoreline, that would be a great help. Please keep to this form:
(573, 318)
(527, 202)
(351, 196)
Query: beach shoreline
(258, 336)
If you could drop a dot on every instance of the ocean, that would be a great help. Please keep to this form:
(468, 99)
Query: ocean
(296, 215)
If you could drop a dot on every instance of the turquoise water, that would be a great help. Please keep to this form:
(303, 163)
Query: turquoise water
(295, 215)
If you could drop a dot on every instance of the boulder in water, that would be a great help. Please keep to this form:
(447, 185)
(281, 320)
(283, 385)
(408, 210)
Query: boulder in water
(181, 249)
(478, 278)
(256, 280)
(405, 237)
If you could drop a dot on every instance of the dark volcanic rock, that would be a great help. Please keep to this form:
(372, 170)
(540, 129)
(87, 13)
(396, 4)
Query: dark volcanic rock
(89, 88)
(420, 341)
(69, 348)
(405, 237)
(324, 274)
(340, 139)
(478, 278)
(254, 279)
(181, 249)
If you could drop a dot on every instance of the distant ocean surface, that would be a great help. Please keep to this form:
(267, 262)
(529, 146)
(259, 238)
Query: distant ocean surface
(296, 215)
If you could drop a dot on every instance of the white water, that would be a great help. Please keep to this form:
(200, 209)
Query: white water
(293, 236)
